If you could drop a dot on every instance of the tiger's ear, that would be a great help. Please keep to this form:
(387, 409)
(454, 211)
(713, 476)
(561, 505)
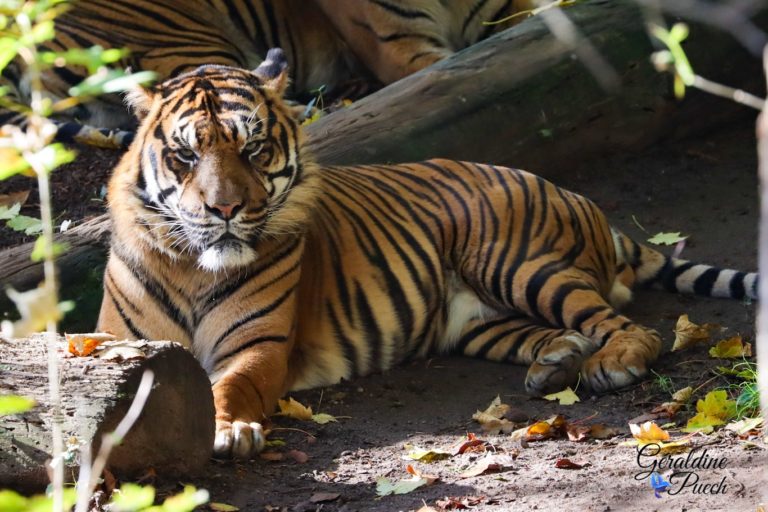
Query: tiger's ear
(273, 72)
(139, 100)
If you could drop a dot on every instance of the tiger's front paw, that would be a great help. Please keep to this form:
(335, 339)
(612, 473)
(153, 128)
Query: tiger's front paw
(557, 364)
(622, 361)
(238, 439)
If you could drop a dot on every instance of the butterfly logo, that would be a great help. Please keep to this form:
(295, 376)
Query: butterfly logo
(659, 484)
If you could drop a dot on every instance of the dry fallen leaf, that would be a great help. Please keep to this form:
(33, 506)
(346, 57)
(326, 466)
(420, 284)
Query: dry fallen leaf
(471, 444)
(565, 397)
(552, 427)
(82, 345)
(492, 418)
(119, 351)
(688, 333)
(489, 463)
(271, 456)
(731, 348)
(323, 497)
(222, 507)
(578, 432)
(648, 432)
(459, 502)
(682, 395)
(568, 464)
(299, 456)
(13, 198)
(430, 455)
(600, 431)
(668, 409)
(385, 487)
(744, 426)
(294, 409)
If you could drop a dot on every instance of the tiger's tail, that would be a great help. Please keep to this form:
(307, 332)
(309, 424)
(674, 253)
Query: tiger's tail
(652, 268)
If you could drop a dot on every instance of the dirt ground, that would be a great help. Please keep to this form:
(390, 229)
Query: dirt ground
(705, 188)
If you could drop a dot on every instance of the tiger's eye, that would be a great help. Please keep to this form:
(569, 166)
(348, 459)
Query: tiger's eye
(186, 155)
(252, 147)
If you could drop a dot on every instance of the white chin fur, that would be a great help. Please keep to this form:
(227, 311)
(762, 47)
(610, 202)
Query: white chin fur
(225, 257)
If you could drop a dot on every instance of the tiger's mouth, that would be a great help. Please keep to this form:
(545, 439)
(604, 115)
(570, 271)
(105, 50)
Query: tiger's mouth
(226, 252)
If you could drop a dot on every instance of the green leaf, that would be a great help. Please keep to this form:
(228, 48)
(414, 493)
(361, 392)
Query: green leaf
(110, 80)
(91, 58)
(667, 238)
(11, 163)
(323, 418)
(14, 404)
(11, 501)
(54, 155)
(132, 497)
(38, 251)
(9, 47)
(29, 225)
(9, 213)
(42, 503)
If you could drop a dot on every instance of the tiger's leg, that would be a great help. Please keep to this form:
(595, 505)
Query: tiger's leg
(623, 349)
(245, 391)
(555, 355)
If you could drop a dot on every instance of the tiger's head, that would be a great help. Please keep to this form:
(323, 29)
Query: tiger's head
(215, 157)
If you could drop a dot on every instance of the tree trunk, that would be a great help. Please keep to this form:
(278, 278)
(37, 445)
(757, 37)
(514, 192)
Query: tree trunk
(520, 98)
(174, 433)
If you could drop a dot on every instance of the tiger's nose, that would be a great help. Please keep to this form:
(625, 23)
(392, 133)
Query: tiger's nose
(224, 210)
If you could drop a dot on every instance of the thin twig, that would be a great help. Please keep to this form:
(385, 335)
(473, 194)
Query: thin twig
(89, 474)
(731, 93)
(567, 33)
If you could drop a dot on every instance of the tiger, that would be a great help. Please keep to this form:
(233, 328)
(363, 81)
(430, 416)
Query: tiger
(324, 43)
(280, 274)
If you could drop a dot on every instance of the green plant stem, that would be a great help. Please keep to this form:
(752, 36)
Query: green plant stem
(37, 141)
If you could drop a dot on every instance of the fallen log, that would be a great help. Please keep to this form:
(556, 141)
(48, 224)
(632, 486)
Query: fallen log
(519, 98)
(173, 435)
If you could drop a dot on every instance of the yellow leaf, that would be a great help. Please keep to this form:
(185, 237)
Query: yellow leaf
(731, 348)
(566, 396)
(714, 410)
(428, 455)
(315, 116)
(688, 333)
(648, 432)
(222, 507)
(294, 409)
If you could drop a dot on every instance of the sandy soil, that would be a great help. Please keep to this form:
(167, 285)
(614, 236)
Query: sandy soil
(705, 188)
